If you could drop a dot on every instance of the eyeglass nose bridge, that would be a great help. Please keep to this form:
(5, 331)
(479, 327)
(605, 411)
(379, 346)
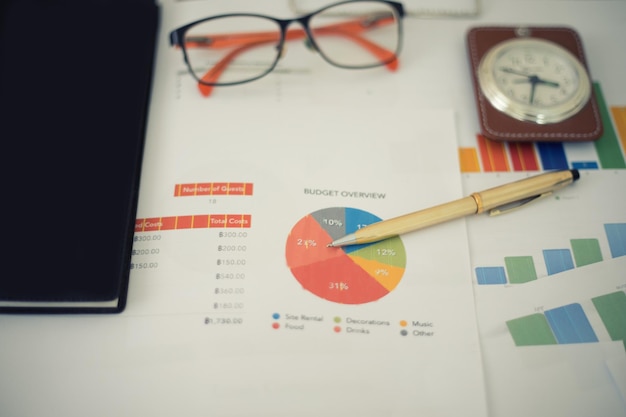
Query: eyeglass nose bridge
(310, 45)
(308, 40)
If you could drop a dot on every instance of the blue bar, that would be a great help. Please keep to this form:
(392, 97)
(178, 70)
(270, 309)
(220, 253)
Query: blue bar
(552, 155)
(570, 324)
(558, 260)
(490, 275)
(616, 234)
(585, 165)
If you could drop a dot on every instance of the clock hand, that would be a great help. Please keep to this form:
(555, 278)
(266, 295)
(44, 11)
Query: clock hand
(533, 85)
(548, 83)
(512, 71)
(534, 81)
(530, 78)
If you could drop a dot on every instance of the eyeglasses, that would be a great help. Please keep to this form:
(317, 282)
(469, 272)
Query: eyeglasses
(238, 48)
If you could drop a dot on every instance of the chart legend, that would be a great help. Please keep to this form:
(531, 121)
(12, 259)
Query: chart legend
(349, 275)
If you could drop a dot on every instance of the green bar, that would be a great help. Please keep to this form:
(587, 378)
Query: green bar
(531, 331)
(520, 269)
(607, 146)
(612, 310)
(586, 251)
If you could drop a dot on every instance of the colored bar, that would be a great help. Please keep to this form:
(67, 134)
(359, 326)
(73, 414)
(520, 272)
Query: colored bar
(558, 260)
(468, 159)
(239, 188)
(213, 188)
(520, 269)
(201, 221)
(238, 220)
(585, 165)
(607, 146)
(197, 221)
(612, 310)
(139, 225)
(184, 222)
(492, 155)
(531, 331)
(490, 275)
(217, 220)
(586, 251)
(616, 235)
(183, 189)
(552, 155)
(619, 118)
(149, 225)
(570, 324)
(169, 223)
(523, 156)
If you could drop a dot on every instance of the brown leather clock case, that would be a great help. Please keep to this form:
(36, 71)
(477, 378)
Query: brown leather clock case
(586, 125)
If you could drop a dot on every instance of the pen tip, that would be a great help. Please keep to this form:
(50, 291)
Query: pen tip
(575, 174)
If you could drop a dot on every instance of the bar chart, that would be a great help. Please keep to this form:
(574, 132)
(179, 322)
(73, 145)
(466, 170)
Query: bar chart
(608, 152)
(519, 269)
(571, 324)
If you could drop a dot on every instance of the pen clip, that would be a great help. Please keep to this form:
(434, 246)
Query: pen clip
(508, 207)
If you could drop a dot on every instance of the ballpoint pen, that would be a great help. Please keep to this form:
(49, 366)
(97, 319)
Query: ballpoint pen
(495, 200)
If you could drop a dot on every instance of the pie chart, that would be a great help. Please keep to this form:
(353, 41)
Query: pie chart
(354, 274)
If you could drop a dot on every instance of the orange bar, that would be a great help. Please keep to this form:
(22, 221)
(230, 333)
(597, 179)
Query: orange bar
(151, 224)
(204, 189)
(139, 225)
(523, 156)
(236, 188)
(185, 190)
(217, 220)
(196, 221)
(220, 188)
(469, 160)
(201, 221)
(492, 154)
(619, 117)
(184, 222)
(169, 223)
(238, 220)
(213, 188)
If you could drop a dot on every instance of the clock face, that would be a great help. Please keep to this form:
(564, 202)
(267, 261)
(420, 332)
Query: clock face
(534, 80)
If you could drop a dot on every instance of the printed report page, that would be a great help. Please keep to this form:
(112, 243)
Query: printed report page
(231, 258)
(242, 193)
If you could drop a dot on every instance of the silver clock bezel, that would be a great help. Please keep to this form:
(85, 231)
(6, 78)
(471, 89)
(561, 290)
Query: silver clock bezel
(529, 112)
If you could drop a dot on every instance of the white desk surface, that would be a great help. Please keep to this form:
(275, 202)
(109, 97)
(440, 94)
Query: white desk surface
(37, 352)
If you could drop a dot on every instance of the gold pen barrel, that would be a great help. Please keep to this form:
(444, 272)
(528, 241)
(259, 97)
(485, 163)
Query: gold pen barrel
(523, 189)
(474, 204)
(417, 220)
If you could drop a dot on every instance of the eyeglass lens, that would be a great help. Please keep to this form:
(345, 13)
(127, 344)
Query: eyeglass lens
(357, 35)
(238, 48)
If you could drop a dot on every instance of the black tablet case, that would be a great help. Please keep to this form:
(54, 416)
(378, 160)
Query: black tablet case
(75, 78)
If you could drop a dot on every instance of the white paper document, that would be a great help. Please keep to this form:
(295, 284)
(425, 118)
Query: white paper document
(241, 193)
(237, 206)
(550, 297)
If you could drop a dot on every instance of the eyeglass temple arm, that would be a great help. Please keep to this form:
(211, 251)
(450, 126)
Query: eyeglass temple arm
(248, 40)
(212, 75)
